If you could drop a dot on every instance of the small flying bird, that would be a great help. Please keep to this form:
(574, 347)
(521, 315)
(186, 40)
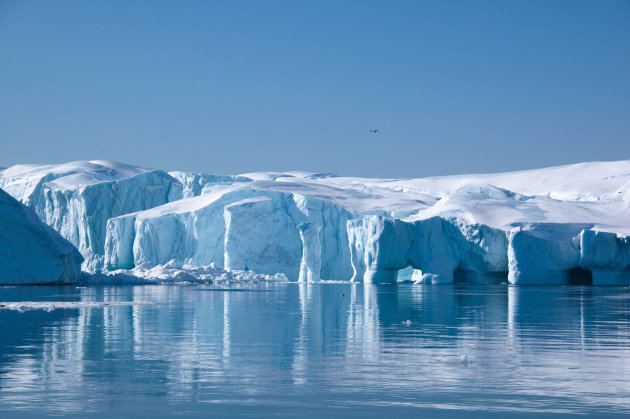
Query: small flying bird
(374, 131)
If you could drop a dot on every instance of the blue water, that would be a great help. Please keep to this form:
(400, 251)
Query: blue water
(320, 350)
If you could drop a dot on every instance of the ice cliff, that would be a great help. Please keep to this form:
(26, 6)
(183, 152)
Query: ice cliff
(559, 225)
(78, 198)
(259, 226)
(194, 184)
(31, 251)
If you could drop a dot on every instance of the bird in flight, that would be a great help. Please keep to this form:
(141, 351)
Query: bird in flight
(374, 131)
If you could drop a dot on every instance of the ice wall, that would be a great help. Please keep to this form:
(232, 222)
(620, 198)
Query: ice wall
(195, 183)
(559, 254)
(261, 235)
(444, 250)
(81, 215)
(241, 229)
(449, 250)
(311, 263)
(77, 199)
(191, 230)
(30, 251)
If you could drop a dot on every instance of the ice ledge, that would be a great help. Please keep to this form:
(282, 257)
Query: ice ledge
(440, 250)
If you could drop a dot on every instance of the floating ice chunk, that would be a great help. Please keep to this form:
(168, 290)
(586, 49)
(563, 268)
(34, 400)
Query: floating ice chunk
(66, 305)
(177, 272)
(405, 275)
(30, 251)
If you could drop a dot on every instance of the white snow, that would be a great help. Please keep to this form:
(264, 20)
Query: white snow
(30, 251)
(175, 272)
(535, 226)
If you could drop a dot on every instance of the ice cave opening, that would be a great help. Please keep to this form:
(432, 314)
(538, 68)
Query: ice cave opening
(580, 276)
(459, 276)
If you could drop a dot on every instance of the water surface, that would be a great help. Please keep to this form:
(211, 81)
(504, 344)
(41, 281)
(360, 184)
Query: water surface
(320, 350)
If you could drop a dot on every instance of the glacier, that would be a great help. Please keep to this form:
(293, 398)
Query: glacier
(558, 225)
(31, 251)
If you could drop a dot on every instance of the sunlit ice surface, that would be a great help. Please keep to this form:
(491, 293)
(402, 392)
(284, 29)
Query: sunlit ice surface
(328, 349)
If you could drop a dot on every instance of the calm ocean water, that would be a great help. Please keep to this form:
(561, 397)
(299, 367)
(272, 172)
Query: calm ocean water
(320, 350)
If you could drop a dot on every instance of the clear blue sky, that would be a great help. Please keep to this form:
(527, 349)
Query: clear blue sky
(237, 86)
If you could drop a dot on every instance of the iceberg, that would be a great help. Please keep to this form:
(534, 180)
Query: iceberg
(568, 253)
(559, 225)
(479, 233)
(78, 198)
(32, 252)
(252, 226)
(473, 229)
(442, 250)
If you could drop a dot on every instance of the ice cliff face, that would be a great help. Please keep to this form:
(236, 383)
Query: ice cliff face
(561, 253)
(480, 233)
(442, 250)
(241, 227)
(568, 224)
(78, 198)
(195, 184)
(30, 251)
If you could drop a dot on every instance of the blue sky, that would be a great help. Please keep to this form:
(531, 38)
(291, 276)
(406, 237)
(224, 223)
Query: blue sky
(237, 86)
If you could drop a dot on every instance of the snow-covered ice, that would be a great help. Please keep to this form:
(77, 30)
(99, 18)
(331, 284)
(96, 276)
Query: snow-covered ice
(555, 225)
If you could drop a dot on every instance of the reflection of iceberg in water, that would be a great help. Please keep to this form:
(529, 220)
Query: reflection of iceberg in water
(22, 373)
(293, 341)
(363, 337)
(529, 314)
(301, 347)
(569, 333)
(226, 328)
(323, 314)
